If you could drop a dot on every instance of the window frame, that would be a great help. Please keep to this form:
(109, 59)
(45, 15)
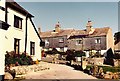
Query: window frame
(47, 43)
(97, 41)
(79, 42)
(17, 51)
(32, 48)
(61, 40)
(17, 22)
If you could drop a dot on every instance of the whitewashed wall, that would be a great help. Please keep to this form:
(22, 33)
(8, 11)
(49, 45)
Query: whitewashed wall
(20, 34)
(2, 39)
(7, 36)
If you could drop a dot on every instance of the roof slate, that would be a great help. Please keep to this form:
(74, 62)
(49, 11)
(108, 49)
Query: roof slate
(76, 33)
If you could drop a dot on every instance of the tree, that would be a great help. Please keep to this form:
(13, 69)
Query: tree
(117, 37)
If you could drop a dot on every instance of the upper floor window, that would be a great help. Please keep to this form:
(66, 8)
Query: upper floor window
(61, 40)
(46, 42)
(17, 22)
(78, 42)
(97, 41)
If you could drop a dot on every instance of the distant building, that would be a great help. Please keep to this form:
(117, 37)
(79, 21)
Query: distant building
(97, 39)
(56, 38)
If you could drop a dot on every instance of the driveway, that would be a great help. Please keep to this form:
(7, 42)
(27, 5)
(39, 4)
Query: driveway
(58, 71)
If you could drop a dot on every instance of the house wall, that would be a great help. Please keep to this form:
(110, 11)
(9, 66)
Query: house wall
(110, 40)
(32, 36)
(2, 51)
(2, 13)
(54, 42)
(7, 36)
(88, 43)
(13, 32)
(2, 40)
(72, 44)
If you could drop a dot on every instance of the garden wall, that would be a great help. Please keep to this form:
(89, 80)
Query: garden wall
(116, 62)
(96, 61)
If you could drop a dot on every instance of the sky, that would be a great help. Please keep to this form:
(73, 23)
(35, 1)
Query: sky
(73, 14)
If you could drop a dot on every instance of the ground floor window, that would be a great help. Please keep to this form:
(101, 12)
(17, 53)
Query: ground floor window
(32, 48)
(16, 45)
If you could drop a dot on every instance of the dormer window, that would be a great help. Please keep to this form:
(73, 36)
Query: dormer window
(17, 22)
(98, 41)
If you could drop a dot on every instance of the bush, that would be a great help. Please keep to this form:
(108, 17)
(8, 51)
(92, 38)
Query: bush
(53, 51)
(22, 59)
(116, 56)
(106, 68)
(70, 55)
(79, 53)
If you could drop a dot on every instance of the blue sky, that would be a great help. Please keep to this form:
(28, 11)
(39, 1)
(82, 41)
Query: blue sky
(73, 14)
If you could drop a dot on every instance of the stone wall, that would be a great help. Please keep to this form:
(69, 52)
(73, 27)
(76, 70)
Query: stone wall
(116, 62)
(96, 61)
(20, 70)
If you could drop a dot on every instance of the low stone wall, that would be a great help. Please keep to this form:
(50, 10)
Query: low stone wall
(116, 62)
(96, 61)
(20, 70)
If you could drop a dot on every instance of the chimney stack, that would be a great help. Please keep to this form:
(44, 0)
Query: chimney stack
(39, 30)
(57, 27)
(89, 26)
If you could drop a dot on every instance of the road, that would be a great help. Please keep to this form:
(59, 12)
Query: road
(58, 71)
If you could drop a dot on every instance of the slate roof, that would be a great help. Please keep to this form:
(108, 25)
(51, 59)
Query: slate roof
(97, 32)
(76, 33)
(56, 34)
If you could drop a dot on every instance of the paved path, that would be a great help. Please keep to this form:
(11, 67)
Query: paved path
(58, 71)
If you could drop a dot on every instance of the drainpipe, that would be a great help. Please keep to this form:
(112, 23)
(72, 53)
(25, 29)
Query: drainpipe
(6, 12)
(26, 35)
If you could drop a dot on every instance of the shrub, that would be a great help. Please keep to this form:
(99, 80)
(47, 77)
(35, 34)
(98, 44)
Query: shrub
(106, 68)
(116, 56)
(53, 51)
(62, 53)
(79, 53)
(22, 59)
(70, 55)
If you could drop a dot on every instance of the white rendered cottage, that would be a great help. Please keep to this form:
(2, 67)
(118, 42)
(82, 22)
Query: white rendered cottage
(17, 32)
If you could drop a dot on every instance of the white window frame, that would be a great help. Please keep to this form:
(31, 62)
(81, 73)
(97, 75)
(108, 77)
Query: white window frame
(61, 40)
(46, 42)
(79, 42)
(97, 41)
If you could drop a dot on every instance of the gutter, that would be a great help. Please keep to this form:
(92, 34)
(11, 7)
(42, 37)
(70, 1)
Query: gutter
(26, 34)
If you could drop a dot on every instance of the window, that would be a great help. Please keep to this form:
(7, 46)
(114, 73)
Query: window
(17, 22)
(61, 40)
(16, 45)
(46, 42)
(32, 48)
(78, 42)
(97, 41)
